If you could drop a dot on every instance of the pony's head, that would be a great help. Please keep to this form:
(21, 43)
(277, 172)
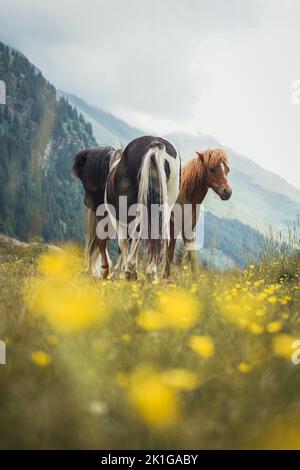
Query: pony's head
(91, 166)
(216, 166)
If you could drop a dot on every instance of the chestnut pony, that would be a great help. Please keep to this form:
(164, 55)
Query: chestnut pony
(208, 169)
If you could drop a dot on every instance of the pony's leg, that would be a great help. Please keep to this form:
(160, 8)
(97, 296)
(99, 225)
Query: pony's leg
(152, 268)
(169, 258)
(117, 266)
(122, 258)
(192, 256)
(170, 250)
(123, 250)
(104, 258)
(131, 265)
(191, 252)
(151, 271)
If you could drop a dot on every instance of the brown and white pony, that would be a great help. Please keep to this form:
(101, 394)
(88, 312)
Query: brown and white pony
(208, 169)
(146, 173)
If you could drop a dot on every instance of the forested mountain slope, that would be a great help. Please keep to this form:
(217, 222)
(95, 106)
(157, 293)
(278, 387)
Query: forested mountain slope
(39, 135)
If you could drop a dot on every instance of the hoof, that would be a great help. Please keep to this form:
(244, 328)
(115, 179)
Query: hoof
(152, 276)
(105, 275)
(114, 275)
(168, 280)
(131, 275)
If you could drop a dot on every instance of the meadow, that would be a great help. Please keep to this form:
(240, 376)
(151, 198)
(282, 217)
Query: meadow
(202, 363)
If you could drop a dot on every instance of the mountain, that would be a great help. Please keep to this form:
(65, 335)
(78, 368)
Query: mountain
(108, 130)
(39, 134)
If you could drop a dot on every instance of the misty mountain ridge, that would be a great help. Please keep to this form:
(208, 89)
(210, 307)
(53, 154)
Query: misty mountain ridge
(107, 128)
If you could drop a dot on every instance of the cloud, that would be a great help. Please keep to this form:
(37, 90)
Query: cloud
(224, 68)
(136, 54)
(246, 92)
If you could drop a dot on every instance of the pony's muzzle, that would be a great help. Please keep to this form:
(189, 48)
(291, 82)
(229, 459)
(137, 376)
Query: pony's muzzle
(225, 194)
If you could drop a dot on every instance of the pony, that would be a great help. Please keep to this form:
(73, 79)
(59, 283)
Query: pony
(146, 173)
(92, 167)
(207, 170)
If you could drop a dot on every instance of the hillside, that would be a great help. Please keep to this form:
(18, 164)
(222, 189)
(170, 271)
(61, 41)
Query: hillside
(39, 135)
(208, 362)
(107, 129)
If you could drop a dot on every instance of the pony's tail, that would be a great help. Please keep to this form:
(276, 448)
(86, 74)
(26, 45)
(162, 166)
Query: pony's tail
(91, 245)
(153, 190)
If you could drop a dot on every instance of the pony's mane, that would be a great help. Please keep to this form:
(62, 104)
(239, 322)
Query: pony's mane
(215, 157)
(194, 169)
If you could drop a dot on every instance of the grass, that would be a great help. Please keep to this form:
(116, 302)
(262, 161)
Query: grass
(203, 363)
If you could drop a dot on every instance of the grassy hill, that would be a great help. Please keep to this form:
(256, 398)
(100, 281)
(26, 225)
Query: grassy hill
(203, 363)
(39, 134)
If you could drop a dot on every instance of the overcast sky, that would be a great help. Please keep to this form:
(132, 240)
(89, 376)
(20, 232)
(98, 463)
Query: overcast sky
(224, 68)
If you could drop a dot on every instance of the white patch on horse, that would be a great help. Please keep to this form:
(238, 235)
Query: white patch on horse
(96, 270)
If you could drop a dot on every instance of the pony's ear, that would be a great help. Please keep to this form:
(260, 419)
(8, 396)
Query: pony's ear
(200, 156)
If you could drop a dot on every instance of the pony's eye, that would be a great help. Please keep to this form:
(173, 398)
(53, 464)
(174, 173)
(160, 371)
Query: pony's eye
(212, 170)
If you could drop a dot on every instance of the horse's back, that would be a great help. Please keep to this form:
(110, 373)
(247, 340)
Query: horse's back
(139, 146)
(134, 153)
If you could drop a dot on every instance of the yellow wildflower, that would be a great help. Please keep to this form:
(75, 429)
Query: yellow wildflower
(68, 302)
(285, 300)
(180, 379)
(41, 359)
(282, 346)
(242, 308)
(202, 345)
(126, 337)
(179, 310)
(154, 401)
(67, 307)
(60, 265)
(150, 320)
(244, 367)
(274, 326)
(255, 328)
